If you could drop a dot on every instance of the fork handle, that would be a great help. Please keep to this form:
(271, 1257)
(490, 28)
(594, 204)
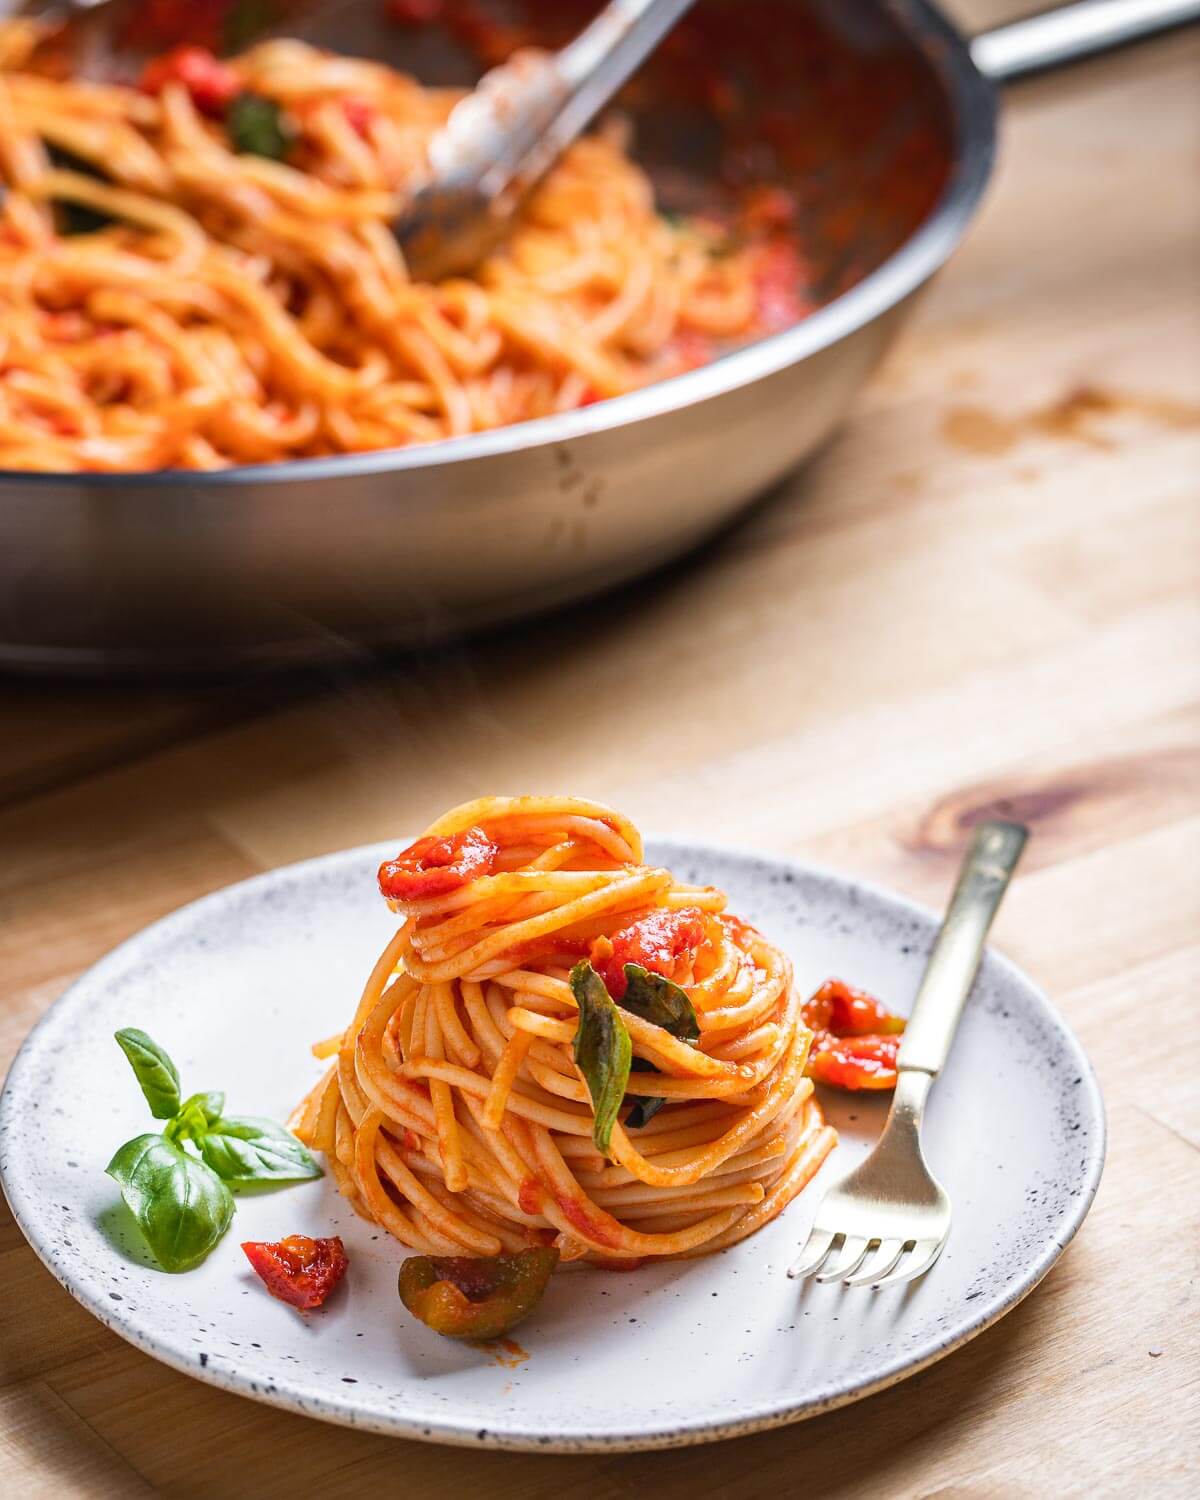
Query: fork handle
(982, 881)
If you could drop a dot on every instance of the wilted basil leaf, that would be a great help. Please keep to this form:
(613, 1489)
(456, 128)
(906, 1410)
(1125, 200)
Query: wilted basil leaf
(155, 1071)
(602, 1050)
(258, 127)
(253, 1150)
(181, 1206)
(661, 1002)
(643, 1107)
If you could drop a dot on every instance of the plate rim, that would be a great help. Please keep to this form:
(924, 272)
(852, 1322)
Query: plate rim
(341, 1409)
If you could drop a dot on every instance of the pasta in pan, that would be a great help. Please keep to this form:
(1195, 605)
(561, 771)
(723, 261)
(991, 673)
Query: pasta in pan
(200, 271)
(563, 1045)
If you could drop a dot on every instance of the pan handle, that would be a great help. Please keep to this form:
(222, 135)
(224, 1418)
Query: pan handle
(1073, 32)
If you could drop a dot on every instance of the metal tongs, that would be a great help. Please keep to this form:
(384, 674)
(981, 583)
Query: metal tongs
(500, 139)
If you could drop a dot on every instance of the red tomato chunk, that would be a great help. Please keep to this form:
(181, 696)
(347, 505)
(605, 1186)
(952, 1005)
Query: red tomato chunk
(855, 1038)
(298, 1270)
(665, 942)
(845, 1011)
(437, 866)
(854, 1062)
(212, 85)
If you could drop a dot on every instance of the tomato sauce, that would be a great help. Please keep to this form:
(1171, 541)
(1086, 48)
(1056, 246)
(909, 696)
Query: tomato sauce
(530, 1196)
(591, 1228)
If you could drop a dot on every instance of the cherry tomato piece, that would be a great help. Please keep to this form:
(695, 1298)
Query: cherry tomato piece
(853, 1062)
(845, 1011)
(212, 85)
(658, 941)
(855, 1038)
(475, 1297)
(298, 1270)
(437, 866)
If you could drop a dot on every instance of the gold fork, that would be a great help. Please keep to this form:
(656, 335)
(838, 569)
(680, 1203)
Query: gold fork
(887, 1221)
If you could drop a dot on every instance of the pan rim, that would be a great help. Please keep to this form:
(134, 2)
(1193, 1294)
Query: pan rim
(971, 98)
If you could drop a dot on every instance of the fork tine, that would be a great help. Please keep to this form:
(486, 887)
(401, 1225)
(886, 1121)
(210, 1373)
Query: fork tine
(816, 1248)
(925, 1252)
(878, 1263)
(850, 1256)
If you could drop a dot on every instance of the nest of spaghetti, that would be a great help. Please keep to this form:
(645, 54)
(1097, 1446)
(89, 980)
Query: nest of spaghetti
(564, 1045)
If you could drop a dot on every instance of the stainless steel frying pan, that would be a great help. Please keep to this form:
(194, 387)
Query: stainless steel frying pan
(293, 561)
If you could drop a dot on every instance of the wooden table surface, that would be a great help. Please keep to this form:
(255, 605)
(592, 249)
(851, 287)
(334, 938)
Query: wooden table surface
(983, 594)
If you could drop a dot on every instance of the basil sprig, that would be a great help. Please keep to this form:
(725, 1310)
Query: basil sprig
(182, 1202)
(603, 1050)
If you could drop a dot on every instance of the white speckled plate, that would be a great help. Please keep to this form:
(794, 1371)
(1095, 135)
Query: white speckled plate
(237, 985)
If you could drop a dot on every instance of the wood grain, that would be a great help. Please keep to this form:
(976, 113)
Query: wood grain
(983, 595)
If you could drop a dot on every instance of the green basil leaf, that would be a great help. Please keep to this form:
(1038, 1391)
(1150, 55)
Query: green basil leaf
(253, 1150)
(258, 127)
(194, 1118)
(661, 1002)
(155, 1071)
(209, 1104)
(181, 1206)
(603, 1050)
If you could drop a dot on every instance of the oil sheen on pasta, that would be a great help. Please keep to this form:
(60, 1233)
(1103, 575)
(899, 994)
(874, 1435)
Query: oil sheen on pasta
(453, 1113)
